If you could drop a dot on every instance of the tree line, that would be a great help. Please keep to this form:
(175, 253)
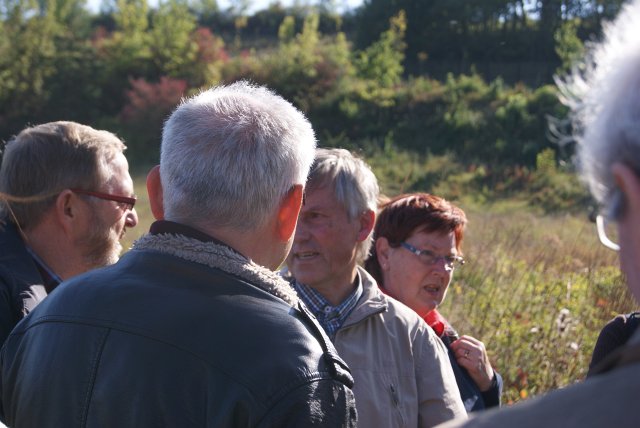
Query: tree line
(362, 77)
(474, 32)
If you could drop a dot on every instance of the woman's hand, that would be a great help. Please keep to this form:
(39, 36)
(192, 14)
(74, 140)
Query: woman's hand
(471, 354)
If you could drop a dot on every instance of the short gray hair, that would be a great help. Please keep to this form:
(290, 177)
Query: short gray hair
(230, 154)
(354, 185)
(603, 93)
(43, 160)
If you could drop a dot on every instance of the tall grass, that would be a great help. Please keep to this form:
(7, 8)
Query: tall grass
(536, 290)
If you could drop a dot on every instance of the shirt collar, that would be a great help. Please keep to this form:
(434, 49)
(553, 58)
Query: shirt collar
(49, 278)
(330, 317)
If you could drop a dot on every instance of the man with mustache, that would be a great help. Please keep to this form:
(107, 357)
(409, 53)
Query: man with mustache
(67, 200)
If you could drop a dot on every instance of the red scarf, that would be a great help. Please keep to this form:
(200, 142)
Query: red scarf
(436, 321)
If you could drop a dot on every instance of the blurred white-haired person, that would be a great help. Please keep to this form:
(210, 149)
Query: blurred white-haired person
(604, 97)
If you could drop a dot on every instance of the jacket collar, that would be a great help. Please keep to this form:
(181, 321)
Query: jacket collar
(17, 263)
(371, 302)
(217, 255)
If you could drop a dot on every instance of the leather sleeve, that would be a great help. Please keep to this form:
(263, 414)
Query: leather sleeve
(324, 403)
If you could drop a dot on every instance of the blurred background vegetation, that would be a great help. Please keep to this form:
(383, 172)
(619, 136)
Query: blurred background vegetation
(453, 97)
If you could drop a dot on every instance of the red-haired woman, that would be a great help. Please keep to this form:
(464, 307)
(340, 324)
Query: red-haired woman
(417, 249)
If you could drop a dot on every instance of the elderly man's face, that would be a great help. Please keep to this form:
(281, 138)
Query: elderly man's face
(324, 248)
(100, 245)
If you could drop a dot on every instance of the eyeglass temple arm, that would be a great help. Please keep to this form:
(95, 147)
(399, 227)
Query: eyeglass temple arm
(603, 236)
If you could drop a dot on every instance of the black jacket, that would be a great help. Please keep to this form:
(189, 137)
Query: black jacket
(474, 400)
(615, 334)
(158, 340)
(21, 285)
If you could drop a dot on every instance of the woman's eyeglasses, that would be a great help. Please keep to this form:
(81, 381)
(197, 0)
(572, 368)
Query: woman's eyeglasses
(430, 258)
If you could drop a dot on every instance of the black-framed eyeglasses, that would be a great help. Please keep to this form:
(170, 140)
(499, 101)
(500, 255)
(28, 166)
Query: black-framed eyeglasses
(127, 202)
(430, 258)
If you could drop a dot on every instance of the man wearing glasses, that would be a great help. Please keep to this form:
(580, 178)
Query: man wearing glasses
(66, 201)
(401, 369)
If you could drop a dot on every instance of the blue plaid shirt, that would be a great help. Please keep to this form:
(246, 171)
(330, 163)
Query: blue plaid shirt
(330, 317)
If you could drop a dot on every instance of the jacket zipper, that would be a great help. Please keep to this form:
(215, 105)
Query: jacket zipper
(396, 402)
(394, 395)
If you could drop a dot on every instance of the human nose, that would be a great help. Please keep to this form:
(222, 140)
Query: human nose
(131, 219)
(302, 231)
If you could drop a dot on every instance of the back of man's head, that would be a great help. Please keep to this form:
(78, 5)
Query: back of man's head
(43, 160)
(354, 185)
(230, 154)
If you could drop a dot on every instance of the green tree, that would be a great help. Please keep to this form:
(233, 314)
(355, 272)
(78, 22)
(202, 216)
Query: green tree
(210, 60)
(173, 50)
(26, 60)
(382, 61)
(300, 54)
(204, 10)
(287, 30)
(126, 52)
(48, 67)
(569, 47)
(128, 47)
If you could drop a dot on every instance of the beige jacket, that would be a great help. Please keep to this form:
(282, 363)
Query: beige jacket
(402, 373)
(607, 399)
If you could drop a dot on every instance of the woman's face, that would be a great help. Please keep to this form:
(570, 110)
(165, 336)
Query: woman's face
(411, 278)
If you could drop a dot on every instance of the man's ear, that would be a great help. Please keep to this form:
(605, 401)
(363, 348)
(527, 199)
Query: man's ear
(154, 189)
(367, 222)
(629, 184)
(288, 213)
(67, 210)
